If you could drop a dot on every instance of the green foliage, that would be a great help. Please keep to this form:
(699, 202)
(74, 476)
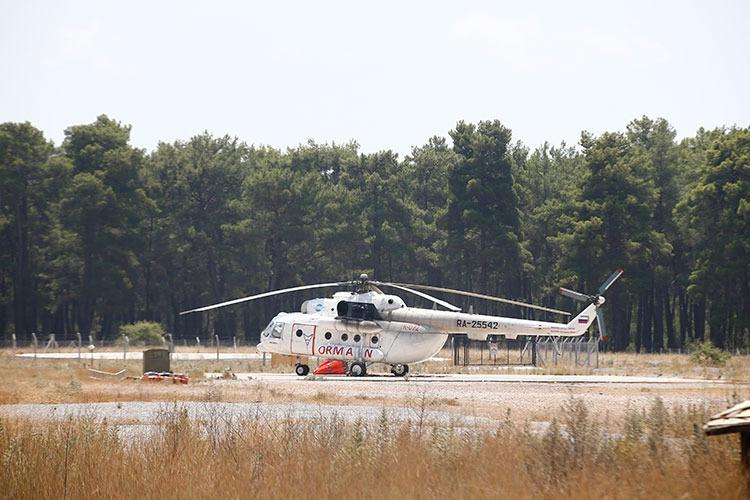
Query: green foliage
(97, 233)
(143, 333)
(717, 217)
(706, 353)
(483, 220)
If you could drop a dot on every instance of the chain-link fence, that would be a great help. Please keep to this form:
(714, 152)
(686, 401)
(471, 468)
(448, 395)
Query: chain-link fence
(82, 346)
(531, 351)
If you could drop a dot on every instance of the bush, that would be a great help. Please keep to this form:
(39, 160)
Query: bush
(143, 333)
(705, 353)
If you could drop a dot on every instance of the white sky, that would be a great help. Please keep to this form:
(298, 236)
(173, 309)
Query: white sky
(388, 74)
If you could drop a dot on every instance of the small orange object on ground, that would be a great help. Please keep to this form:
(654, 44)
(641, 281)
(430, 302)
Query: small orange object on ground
(331, 367)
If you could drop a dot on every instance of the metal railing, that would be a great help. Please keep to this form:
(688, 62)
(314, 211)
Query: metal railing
(532, 351)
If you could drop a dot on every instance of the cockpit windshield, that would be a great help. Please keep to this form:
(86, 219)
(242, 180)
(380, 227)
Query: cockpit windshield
(267, 330)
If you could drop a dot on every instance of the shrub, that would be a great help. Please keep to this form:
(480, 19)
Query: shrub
(143, 333)
(706, 353)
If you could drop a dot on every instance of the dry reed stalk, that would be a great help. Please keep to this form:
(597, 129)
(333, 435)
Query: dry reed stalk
(649, 454)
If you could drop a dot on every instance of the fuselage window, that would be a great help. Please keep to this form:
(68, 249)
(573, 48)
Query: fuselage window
(298, 333)
(357, 338)
(344, 337)
(328, 335)
(374, 340)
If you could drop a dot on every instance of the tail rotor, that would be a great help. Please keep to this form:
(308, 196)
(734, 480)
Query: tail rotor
(597, 299)
(608, 282)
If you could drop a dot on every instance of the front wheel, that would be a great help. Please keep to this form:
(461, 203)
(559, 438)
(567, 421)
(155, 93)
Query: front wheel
(301, 369)
(399, 370)
(357, 369)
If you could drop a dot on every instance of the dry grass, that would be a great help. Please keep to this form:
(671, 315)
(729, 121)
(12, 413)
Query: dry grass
(652, 449)
(648, 454)
(67, 381)
(736, 369)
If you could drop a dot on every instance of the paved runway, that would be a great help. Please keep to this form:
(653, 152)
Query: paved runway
(514, 378)
(176, 356)
(142, 412)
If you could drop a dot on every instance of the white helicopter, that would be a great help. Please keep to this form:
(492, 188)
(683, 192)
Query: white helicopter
(365, 326)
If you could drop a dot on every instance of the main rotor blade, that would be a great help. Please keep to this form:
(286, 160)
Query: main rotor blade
(574, 295)
(266, 294)
(488, 297)
(421, 294)
(608, 283)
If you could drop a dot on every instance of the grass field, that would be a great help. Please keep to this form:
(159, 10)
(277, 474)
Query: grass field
(56, 381)
(596, 442)
(656, 454)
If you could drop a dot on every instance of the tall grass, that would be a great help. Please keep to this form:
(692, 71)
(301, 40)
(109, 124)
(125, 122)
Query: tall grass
(651, 453)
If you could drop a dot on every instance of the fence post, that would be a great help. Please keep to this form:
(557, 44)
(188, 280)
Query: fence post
(235, 342)
(13, 336)
(33, 342)
(78, 336)
(597, 352)
(171, 343)
(51, 342)
(198, 343)
(217, 346)
(554, 351)
(125, 345)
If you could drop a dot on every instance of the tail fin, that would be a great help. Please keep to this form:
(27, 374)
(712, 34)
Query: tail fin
(583, 321)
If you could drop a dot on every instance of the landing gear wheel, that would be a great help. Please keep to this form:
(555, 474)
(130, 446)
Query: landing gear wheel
(301, 369)
(357, 369)
(399, 370)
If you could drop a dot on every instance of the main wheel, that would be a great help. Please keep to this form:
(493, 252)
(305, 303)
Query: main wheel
(301, 369)
(399, 370)
(358, 369)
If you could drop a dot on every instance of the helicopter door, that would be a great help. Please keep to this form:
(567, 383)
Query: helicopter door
(303, 339)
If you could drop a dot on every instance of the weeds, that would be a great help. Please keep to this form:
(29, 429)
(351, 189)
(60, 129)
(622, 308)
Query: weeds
(705, 353)
(259, 456)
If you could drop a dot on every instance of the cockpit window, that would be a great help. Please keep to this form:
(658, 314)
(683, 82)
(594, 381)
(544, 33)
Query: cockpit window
(267, 330)
(276, 330)
(273, 329)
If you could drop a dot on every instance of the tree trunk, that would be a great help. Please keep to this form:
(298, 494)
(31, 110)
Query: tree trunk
(22, 290)
(658, 297)
(639, 324)
(669, 317)
(699, 319)
(620, 320)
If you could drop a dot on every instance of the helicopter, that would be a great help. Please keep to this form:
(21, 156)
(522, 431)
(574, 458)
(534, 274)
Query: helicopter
(364, 326)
